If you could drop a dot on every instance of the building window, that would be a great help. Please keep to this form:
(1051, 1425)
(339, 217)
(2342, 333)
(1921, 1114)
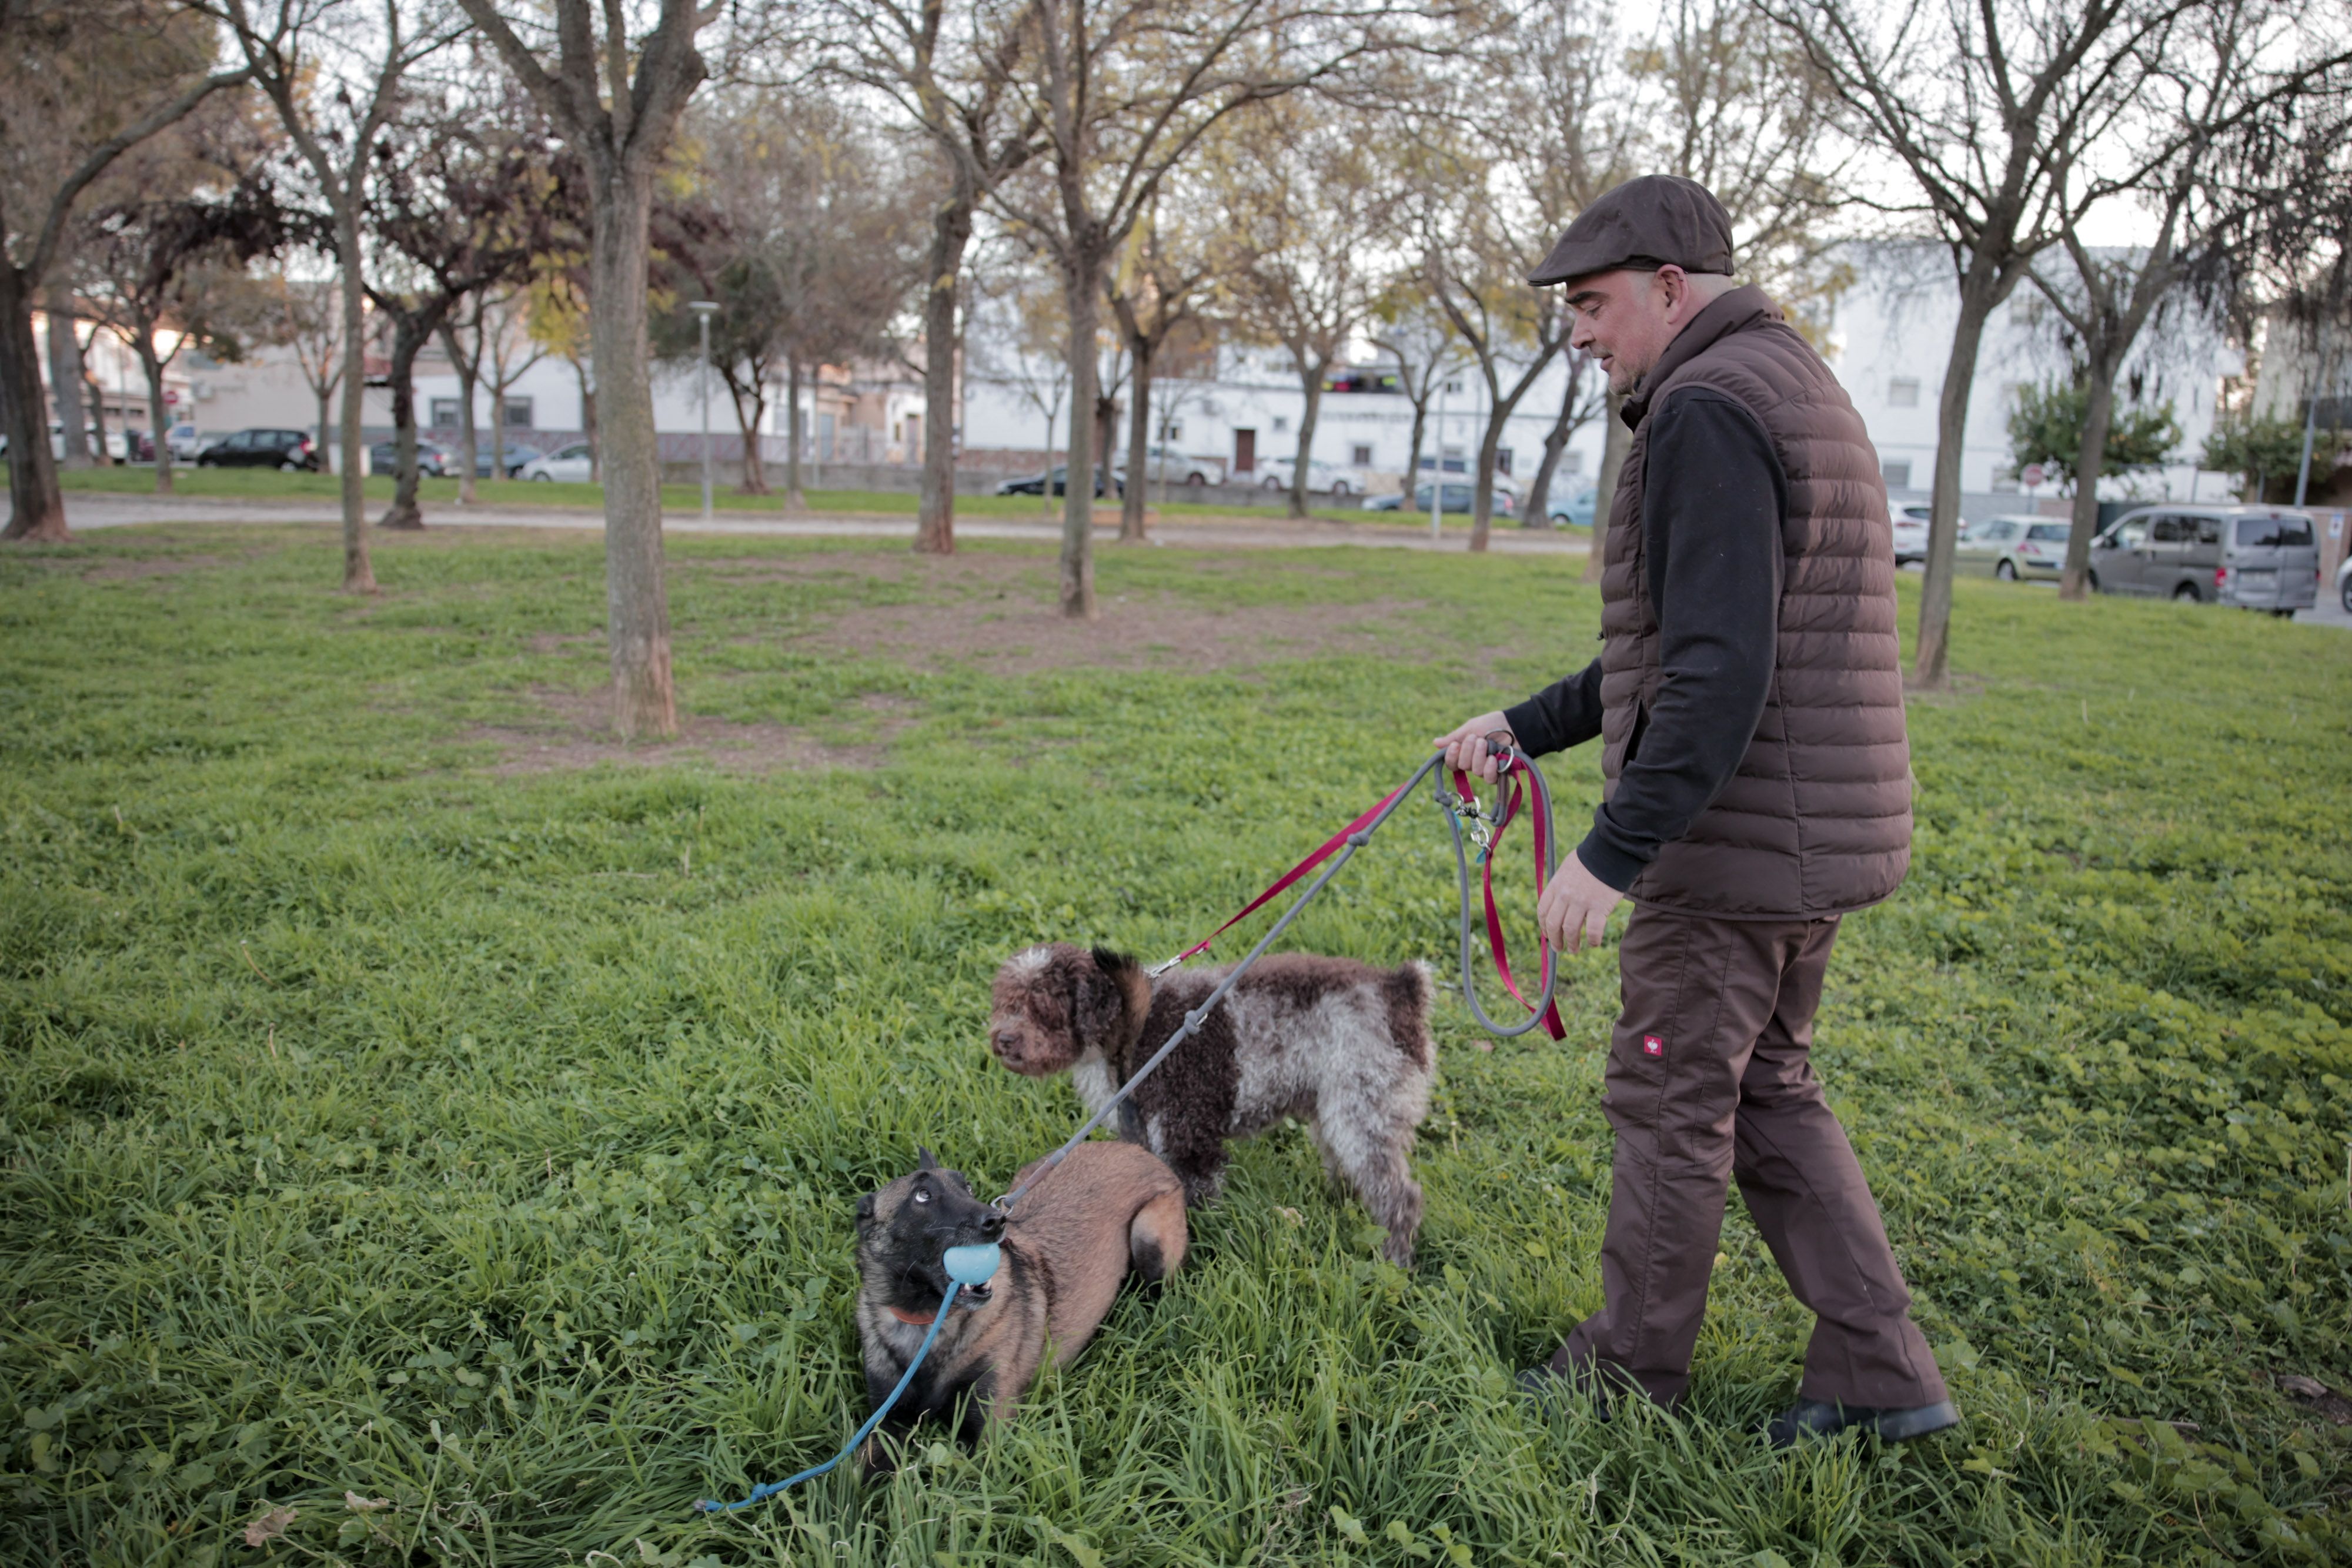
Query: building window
(2004, 480)
(1502, 460)
(447, 414)
(1361, 456)
(1171, 430)
(1903, 391)
(1455, 462)
(1898, 475)
(1572, 463)
(1454, 387)
(1281, 425)
(518, 414)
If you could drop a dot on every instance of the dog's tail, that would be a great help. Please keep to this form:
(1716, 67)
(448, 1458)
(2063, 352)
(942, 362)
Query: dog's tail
(1408, 989)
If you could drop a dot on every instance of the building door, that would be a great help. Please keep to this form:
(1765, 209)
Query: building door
(1244, 451)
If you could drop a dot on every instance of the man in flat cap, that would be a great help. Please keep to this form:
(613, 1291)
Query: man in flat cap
(1748, 703)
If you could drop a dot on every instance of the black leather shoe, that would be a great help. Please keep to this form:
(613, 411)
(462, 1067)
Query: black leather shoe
(1818, 1418)
(1551, 1392)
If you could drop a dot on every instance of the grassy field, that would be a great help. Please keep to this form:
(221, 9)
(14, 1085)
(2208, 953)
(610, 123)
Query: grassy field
(269, 484)
(431, 1130)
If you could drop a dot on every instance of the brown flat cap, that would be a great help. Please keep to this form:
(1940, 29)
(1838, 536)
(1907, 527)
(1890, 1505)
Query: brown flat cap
(1658, 220)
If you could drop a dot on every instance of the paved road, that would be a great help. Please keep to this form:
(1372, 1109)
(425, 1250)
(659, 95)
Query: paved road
(87, 509)
(2328, 612)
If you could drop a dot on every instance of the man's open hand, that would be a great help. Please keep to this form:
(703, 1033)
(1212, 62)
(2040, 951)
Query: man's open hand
(1467, 745)
(1573, 914)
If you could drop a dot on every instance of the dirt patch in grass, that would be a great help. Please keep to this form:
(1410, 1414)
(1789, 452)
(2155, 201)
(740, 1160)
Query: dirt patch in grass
(1001, 612)
(572, 730)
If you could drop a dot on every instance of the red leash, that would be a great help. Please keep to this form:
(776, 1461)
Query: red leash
(1495, 946)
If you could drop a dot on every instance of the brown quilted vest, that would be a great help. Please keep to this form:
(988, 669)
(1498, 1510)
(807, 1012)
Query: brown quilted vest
(1817, 818)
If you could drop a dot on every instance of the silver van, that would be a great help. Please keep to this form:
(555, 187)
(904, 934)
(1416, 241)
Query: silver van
(2260, 557)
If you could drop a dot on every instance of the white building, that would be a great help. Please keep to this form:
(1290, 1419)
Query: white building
(1889, 339)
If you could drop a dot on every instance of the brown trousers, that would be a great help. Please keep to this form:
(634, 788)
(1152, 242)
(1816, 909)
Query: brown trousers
(1709, 1075)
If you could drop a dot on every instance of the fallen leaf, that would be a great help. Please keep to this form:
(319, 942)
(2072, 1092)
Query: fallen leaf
(1292, 1215)
(269, 1527)
(359, 1504)
(2302, 1387)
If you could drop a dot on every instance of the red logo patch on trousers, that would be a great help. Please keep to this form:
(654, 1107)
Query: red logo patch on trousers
(1652, 1046)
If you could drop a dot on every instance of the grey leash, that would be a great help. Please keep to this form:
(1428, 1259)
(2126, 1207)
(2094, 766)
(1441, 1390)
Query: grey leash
(1456, 808)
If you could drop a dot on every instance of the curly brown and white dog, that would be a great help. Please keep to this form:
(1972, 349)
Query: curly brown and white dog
(1341, 1045)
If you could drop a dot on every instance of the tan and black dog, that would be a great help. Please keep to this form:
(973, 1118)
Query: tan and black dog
(1068, 1245)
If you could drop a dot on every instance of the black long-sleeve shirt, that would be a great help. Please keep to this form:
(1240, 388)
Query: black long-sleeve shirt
(1713, 497)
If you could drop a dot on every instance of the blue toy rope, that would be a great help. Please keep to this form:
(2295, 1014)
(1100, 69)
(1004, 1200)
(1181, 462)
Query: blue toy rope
(762, 1493)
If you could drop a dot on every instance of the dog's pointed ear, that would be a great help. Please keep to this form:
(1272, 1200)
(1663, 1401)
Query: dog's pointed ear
(865, 1213)
(926, 1160)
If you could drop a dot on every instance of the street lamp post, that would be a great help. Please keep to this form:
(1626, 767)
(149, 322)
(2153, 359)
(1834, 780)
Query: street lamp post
(703, 310)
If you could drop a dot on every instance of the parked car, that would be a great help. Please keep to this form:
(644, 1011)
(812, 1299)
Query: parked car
(572, 465)
(511, 463)
(2258, 557)
(1910, 519)
(2013, 547)
(1035, 485)
(290, 450)
(1321, 476)
(1456, 499)
(2343, 584)
(1577, 510)
(432, 458)
(186, 444)
(1179, 468)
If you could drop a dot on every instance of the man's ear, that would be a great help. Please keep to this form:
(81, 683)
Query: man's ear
(927, 1161)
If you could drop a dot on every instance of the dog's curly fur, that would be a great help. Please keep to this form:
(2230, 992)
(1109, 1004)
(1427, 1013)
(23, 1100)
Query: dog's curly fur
(1341, 1045)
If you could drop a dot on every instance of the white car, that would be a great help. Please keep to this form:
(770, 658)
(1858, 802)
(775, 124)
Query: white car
(2344, 585)
(1910, 532)
(572, 464)
(1163, 463)
(1321, 476)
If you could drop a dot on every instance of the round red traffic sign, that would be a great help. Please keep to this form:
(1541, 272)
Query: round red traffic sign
(2032, 475)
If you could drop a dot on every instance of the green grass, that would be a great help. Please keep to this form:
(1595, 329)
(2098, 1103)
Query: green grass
(270, 485)
(377, 1125)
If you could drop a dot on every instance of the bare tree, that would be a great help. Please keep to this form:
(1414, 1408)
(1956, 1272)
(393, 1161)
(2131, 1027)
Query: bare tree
(2004, 115)
(464, 202)
(306, 318)
(155, 259)
(80, 84)
(951, 73)
(2239, 74)
(1418, 335)
(616, 101)
(333, 69)
(1154, 290)
(1123, 90)
(1301, 187)
(1579, 401)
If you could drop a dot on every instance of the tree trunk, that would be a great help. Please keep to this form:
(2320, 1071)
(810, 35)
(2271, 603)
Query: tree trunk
(497, 430)
(588, 422)
(1302, 475)
(103, 452)
(2099, 416)
(951, 234)
(1538, 513)
(637, 597)
(1615, 442)
(1931, 662)
(330, 460)
(1131, 527)
(1413, 458)
(1079, 294)
(359, 572)
(405, 513)
(755, 473)
(66, 380)
(469, 377)
(795, 501)
(36, 509)
(156, 410)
